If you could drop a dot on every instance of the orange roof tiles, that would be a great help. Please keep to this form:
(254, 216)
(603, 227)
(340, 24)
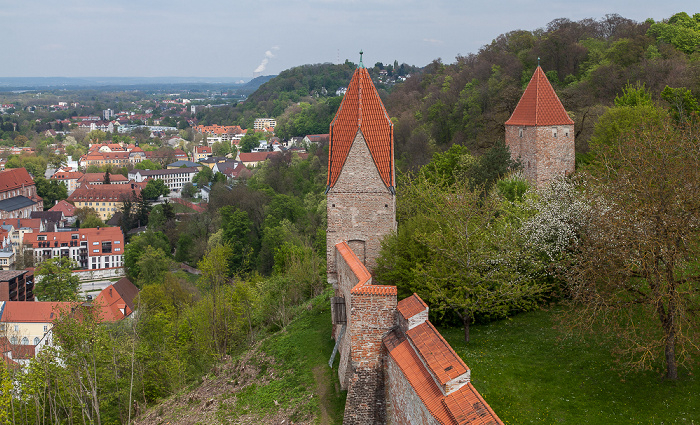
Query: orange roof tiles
(67, 209)
(105, 192)
(443, 362)
(111, 304)
(100, 178)
(362, 110)
(14, 178)
(364, 285)
(539, 105)
(33, 312)
(409, 307)
(466, 406)
(463, 406)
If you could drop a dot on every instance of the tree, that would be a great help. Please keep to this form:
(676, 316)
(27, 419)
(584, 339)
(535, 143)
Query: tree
(188, 190)
(106, 178)
(250, 141)
(154, 189)
(58, 283)
(466, 256)
(221, 149)
(51, 191)
(147, 164)
(636, 272)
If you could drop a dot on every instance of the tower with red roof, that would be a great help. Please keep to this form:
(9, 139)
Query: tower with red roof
(360, 191)
(540, 133)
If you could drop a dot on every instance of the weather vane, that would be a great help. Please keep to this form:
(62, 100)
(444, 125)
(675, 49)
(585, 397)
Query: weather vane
(361, 64)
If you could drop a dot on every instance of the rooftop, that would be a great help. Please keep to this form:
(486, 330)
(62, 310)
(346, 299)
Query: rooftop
(362, 111)
(539, 105)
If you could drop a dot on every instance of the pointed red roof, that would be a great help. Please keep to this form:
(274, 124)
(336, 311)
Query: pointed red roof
(539, 104)
(362, 110)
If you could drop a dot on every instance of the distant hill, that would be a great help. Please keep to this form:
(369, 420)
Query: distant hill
(307, 83)
(34, 83)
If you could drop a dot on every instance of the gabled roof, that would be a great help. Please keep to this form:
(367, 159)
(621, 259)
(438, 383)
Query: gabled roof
(362, 110)
(14, 178)
(63, 206)
(33, 312)
(539, 105)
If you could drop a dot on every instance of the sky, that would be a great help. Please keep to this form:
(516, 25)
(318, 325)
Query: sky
(245, 38)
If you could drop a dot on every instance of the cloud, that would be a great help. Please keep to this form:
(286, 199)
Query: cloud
(432, 41)
(268, 55)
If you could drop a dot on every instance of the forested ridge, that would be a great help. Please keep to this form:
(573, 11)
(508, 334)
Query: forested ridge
(588, 62)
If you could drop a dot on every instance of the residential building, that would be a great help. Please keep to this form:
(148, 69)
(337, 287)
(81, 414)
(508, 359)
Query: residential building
(69, 178)
(16, 285)
(18, 197)
(185, 163)
(26, 323)
(253, 159)
(174, 179)
(316, 138)
(67, 209)
(90, 248)
(232, 169)
(263, 123)
(99, 178)
(105, 199)
(200, 153)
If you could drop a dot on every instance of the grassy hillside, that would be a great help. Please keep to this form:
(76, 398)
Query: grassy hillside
(284, 379)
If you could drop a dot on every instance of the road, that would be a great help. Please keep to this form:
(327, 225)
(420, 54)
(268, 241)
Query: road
(94, 288)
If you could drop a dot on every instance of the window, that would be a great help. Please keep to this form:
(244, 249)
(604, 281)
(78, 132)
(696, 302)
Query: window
(46, 328)
(95, 243)
(36, 340)
(25, 341)
(13, 340)
(521, 132)
(554, 132)
(16, 328)
(41, 238)
(96, 250)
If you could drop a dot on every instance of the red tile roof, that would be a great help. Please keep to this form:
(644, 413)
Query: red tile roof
(14, 178)
(33, 312)
(100, 178)
(440, 358)
(539, 105)
(362, 110)
(67, 209)
(409, 307)
(364, 284)
(105, 192)
(463, 406)
(111, 304)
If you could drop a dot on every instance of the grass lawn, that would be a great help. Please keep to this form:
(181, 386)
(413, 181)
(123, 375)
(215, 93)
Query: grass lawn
(529, 376)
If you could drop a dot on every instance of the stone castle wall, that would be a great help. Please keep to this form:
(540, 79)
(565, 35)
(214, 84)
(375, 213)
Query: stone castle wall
(545, 152)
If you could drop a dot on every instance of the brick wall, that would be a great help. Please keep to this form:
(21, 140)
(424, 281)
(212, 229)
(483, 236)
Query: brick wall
(371, 315)
(546, 152)
(360, 208)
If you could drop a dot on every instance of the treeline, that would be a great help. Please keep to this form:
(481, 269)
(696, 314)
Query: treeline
(588, 62)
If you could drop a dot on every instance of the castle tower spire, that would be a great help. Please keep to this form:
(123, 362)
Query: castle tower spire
(360, 186)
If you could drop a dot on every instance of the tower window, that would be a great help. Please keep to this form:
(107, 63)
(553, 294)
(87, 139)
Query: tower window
(554, 132)
(521, 132)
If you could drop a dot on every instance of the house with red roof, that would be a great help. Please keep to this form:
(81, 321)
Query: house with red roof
(395, 365)
(540, 133)
(18, 197)
(90, 248)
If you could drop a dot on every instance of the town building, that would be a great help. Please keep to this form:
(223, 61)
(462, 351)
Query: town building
(264, 123)
(174, 179)
(105, 199)
(395, 365)
(68, 177)
(18, 197)
(16, 285)
(540, 134)
(90, 248)
(200, 153)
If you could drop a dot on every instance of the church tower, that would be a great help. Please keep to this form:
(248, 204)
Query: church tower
(361, 199)
(540, 133)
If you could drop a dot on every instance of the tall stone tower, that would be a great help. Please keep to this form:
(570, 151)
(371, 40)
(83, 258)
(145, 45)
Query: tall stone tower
(540, 133)
(361, 199)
